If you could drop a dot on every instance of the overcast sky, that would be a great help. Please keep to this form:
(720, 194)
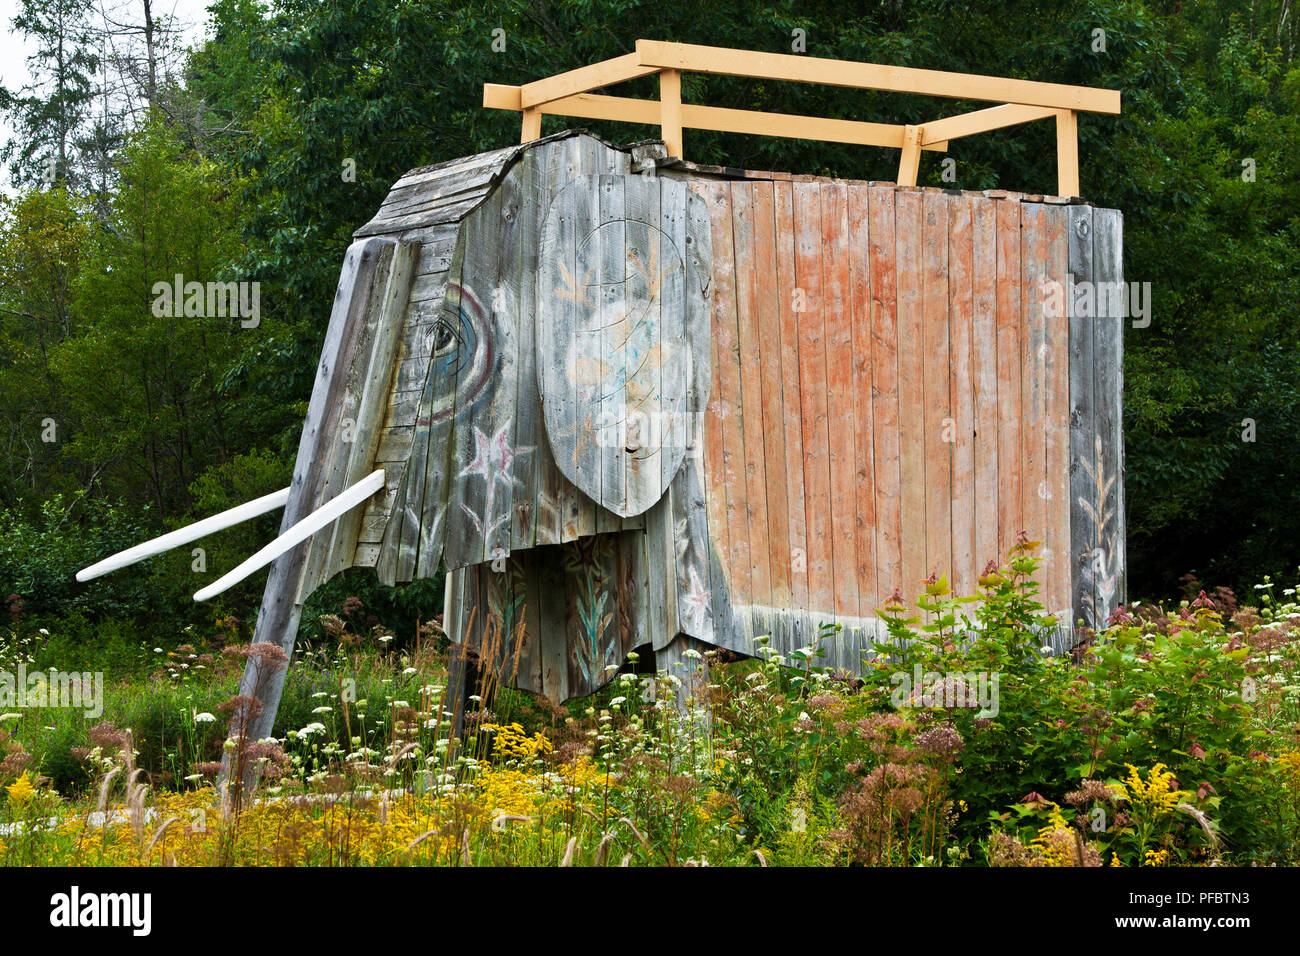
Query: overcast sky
(191, 16)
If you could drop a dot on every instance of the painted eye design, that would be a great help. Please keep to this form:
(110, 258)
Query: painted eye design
(446, 336)
(463, 359)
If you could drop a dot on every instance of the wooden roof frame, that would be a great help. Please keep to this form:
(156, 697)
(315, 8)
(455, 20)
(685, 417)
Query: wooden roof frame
(1020, 101)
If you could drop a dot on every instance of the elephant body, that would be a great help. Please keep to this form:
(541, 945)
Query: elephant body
(641, 405)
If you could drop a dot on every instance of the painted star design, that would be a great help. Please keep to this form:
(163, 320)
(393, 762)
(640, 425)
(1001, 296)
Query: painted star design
(696, 599)
(493, 457)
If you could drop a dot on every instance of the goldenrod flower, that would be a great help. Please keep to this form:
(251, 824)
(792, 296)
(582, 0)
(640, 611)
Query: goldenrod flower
(20, 791)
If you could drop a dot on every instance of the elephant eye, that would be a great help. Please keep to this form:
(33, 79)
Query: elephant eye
(446, 337)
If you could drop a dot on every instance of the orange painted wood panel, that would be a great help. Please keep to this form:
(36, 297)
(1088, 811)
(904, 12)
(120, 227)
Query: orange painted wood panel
(1033, 347)
(768, 364)
(812, 386)
(1010, 402)
(984, 349)
(940, 427)
(791, 393)
(1056, 423)
(749, 311)
(864, 481)
(889, 400)
(911, 388)
(882, 219)
(961, 393)
(838, 313)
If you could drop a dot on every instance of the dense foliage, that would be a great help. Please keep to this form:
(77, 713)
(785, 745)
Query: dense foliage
(1170, 740)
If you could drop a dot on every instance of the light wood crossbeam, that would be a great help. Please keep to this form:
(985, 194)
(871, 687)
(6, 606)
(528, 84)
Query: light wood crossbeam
(873, 76)
(719, 119)
(983, 121)
(1021, 101)
(583, 79)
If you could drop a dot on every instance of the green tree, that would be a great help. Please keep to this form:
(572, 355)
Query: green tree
(49, 113)
(147, 410)
(43, 240)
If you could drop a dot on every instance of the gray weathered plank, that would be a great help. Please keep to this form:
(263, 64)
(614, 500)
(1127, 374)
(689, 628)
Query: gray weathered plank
(1082, 421)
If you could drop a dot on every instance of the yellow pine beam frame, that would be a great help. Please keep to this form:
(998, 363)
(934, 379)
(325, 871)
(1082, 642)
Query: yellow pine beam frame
(719, 119)
(1022, 101)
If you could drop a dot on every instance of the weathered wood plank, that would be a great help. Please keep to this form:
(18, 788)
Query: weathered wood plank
(885, 391)
(375, 379)
(1033, 447)
(985, 360)
(454, 495)
(1010, 401)
(691, 568)
(813, 386)
(527, 513)
(337, 452)
(1108, 384)
(791, 464)
(837, 311)
(613, 406)
(751, 396)
(1057, 412)
(911, 380)
(768, 361)
(721, 313)
(941, 427)
(530, 652)
(726, 330)
(864, 492)
(1083, 423)
(553, 613)
(961, 391)
(499, 285)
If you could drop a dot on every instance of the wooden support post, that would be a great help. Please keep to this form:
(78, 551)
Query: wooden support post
(1067, 153)
(670, 111)
(691, 690)
(462, 681)
(909, 163)
(532, 125)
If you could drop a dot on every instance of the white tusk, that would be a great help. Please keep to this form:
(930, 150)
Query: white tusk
(191, 532)
(330, 511)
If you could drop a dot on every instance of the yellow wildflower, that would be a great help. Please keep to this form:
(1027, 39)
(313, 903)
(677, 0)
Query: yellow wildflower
(20, 791)
(1153, 797)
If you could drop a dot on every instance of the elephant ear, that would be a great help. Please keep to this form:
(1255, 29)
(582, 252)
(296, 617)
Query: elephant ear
(623, 334)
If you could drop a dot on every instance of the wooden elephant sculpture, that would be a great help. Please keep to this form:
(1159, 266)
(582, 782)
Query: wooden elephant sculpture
(629, 404)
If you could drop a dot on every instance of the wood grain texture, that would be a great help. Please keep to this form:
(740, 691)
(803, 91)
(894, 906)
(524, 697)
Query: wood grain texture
(911, 389)
(941, 428)
(860, 413)
(1033, 351)
(722, 307)
(750, 312)
(768, 365)
(841, 410)
(787, 335)
(739, 555)
(1057, 415)
(1108, 377)
(813, 395)
(1083, 434)
(1010, 394)
(984, 346)
(961, 393)
(882, 243)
